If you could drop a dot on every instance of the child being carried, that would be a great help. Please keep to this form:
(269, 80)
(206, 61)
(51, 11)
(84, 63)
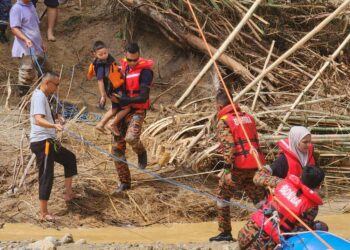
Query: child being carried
(110, 83)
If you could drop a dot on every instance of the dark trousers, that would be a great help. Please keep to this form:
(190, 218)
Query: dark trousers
(58, 154)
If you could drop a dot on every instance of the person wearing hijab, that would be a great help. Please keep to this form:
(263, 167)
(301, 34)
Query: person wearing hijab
(295, 153)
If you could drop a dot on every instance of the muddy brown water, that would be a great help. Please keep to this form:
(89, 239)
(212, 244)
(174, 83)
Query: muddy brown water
(167, 233)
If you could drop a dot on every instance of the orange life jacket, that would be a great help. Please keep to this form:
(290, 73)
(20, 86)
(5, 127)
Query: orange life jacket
(286, 191)
(294, 165)
(242, 157)
(114, 75)
(132, 80)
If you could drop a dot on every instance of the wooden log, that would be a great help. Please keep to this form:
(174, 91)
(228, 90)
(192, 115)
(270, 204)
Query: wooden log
(296, 46)
(311, 83)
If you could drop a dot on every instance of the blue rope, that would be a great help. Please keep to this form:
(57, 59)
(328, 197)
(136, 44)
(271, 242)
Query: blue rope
(35, 59)
(208, 195)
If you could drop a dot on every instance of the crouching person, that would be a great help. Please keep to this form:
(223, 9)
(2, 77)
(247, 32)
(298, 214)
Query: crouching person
(300, 196)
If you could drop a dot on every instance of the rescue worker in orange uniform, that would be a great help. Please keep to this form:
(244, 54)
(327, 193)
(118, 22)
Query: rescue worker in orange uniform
(299, 195)
(240, 165)
(138, 76)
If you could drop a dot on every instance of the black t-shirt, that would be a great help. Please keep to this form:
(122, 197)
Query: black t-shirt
(102, 71)
(280, 167)
(146, 78)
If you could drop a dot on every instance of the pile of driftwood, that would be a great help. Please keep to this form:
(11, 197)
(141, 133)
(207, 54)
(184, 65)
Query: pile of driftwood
(289, 65)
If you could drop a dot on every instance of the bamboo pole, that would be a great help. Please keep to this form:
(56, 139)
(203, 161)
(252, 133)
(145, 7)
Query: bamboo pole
(260, 82)
(219, 52)
(315, 138)
(296, 46)
(311, 102)
(323, 68)
(7, 107)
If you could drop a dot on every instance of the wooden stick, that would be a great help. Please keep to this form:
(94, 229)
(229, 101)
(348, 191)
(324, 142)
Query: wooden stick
(260, 82)
(296, 46)
(30, 163)
(219, 52)
(8, 92)
(71, 81)
(323, 68)
(138, 208)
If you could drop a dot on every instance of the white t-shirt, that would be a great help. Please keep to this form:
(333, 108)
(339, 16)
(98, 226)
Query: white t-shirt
(40, 106)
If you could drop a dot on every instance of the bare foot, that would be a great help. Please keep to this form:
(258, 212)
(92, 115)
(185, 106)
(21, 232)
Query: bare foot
(47, 218)
(100, 127)
(51, 38)
(114, 129)
(71, 196)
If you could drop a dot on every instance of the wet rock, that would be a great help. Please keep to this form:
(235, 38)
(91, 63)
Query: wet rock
(67, 238)
(53, 240)
(42, 245)
(12, 192)
(80, 242)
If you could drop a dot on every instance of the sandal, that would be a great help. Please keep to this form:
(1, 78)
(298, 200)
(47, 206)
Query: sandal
(47, 218)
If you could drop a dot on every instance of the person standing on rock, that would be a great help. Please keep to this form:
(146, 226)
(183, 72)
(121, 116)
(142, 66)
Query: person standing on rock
(24, 23)
(240, 165)
(44, 145)
(138, 76)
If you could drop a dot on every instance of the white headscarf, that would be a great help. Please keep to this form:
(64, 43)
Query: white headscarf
(296, 134)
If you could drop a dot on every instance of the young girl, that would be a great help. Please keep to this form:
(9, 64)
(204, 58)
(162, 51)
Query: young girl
(110, 83)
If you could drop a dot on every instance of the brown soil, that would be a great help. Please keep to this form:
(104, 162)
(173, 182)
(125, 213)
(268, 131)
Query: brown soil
(149, 201)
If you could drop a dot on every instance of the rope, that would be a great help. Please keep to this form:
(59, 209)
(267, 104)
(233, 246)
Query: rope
(68, 110)
(35, 59)
(179, 185)
(253, 150)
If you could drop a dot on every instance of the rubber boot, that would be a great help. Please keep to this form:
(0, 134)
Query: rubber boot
(225, 236)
